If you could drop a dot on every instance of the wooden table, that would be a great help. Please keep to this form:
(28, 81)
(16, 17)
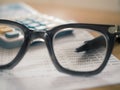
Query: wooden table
(84, 16)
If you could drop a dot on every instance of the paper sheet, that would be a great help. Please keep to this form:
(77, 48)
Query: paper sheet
(36, 72)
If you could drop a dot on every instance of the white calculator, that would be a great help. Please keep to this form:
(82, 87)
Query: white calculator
(26, 15)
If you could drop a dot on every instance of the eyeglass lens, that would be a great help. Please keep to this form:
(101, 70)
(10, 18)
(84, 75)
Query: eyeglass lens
(83, 50)
(11, 40)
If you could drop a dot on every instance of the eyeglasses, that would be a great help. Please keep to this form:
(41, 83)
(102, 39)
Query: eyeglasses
(77, 49)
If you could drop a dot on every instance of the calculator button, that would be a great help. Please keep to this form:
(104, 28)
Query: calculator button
(31, 28)
(33, 25)
(12, 34)
(41, 23)
(41, 28)
(27, 22)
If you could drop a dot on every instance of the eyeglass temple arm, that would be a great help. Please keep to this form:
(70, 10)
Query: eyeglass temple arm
(92, 44)
(119, 28)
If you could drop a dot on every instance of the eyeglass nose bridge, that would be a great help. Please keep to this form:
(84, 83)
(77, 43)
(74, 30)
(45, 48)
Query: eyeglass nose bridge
(38, 35)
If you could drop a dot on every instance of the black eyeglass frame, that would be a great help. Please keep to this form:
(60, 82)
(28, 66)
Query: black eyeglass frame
(48, 37)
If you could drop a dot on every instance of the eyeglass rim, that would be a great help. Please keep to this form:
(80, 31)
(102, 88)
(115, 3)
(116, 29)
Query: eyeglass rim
(49, 43)
(97, 27)
(23, 48)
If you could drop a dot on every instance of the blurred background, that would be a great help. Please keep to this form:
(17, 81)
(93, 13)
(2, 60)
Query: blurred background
(110, 5)
(88, 11)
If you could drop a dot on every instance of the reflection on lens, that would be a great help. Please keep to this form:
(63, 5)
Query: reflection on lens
(11, 40)
(83, 50)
